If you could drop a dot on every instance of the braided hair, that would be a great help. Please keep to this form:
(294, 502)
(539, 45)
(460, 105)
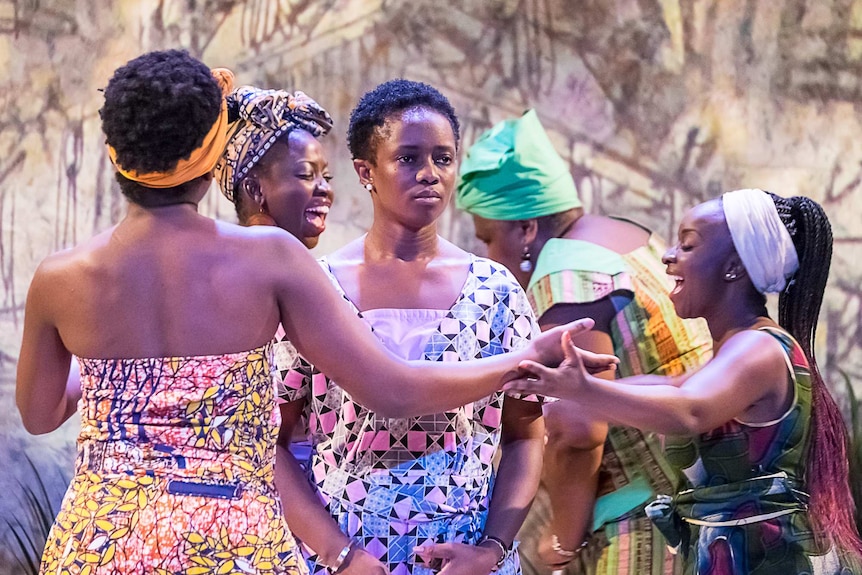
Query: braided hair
(799, 304)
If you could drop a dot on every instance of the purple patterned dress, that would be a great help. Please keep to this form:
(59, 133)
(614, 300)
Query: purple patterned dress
(393, 484)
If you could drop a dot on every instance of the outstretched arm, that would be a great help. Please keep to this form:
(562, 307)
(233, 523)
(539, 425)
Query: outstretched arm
(327, 333)
(721, 390)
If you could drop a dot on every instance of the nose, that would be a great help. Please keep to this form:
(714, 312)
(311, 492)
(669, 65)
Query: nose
(427, 173)
(669, 256)
(323, 188)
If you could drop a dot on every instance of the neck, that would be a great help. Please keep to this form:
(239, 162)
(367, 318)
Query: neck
(543, 235)
(177, 209)
(731, 318)
(387, 241)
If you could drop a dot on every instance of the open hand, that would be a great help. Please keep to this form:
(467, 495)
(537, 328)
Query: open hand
(549, 352)
(565, 382)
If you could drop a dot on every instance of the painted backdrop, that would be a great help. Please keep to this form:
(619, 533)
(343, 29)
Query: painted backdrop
(656, 104)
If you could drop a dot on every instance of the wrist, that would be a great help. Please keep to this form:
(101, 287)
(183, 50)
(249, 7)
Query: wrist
(566, 549)
(336, 559)
(497, 547)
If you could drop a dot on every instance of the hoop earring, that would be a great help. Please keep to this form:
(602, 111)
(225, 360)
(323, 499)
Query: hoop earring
(526, 265)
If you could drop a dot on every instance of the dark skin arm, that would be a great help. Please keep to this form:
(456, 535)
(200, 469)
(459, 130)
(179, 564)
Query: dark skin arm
(575, 444)
(306, 516)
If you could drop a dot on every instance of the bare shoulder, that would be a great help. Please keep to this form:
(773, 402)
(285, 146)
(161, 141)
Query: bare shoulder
(756, 353)
(349, 255)
(617, 235)
(269, 239)
(58, 269)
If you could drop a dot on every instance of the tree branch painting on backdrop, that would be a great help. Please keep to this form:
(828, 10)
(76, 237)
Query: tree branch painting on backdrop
(656, 104)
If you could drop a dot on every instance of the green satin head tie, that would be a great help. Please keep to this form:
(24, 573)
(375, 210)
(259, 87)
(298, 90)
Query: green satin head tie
(513, 172)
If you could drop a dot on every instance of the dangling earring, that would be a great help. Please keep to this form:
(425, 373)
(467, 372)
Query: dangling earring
(526, 265)
(369, 187)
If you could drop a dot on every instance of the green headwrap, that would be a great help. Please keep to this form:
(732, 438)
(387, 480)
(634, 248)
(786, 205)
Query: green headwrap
(513, 172)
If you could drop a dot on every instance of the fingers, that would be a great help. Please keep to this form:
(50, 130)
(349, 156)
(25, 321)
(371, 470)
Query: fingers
(579, 326)
(436, 551)
(570, 350)
(533, 369)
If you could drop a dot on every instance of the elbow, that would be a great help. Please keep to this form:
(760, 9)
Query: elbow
(566, 432)
(691, 420)
(34, 423)
(580, 436)
(36, 427)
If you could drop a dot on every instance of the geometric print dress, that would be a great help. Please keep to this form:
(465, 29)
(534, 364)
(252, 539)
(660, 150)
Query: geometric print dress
(394, 484)
(174, 471)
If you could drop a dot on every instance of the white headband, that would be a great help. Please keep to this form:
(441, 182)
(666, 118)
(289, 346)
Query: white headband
(763, 243)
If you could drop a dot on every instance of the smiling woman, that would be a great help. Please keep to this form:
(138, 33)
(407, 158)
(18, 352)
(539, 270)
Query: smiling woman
(273, 168)
(755, 431)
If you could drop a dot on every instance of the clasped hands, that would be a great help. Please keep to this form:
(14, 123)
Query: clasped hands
(571, 376)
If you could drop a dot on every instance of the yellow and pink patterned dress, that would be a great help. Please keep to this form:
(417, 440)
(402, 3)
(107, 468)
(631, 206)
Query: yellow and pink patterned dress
(175, 471)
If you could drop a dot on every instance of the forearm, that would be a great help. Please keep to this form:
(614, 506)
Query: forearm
(306, 516)
(644, 403)
(570, 477)
(517, 481)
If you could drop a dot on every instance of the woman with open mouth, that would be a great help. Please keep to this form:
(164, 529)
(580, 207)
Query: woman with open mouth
(273, 168)
(755, 431)
(588, 517)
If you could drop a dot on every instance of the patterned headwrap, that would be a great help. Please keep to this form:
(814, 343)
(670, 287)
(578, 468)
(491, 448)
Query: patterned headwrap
(259, 118)
(762, 241)
(201, 160)
(513, 172)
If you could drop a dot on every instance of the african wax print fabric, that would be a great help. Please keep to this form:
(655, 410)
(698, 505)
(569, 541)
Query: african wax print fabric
(394, 484)
(746, 510)
(174, 472)
(649, 338)
(258, 119)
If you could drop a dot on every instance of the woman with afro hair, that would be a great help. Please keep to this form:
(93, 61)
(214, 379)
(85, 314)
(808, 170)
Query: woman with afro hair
(171, 315)
(416, 494)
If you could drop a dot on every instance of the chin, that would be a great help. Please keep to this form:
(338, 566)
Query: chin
(310, 242)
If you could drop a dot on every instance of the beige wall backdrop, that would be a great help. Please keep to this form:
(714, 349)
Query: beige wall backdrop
(656, 104)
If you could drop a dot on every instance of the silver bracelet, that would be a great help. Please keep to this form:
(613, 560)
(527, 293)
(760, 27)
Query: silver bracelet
(499, 543)
(339, 561)
(558, 549)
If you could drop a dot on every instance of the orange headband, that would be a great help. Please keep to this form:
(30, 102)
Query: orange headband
(202, 159)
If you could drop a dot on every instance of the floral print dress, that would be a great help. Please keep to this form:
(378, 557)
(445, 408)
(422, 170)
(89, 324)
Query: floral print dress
(393, 484)
(174, 471)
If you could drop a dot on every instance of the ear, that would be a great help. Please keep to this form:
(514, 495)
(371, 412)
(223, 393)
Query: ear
(364, 170)
(733, 269)
(530, 229)
(250, 188)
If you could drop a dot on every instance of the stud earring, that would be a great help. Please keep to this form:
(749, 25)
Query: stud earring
(730, 276)
(526, 265)
(369, 187)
